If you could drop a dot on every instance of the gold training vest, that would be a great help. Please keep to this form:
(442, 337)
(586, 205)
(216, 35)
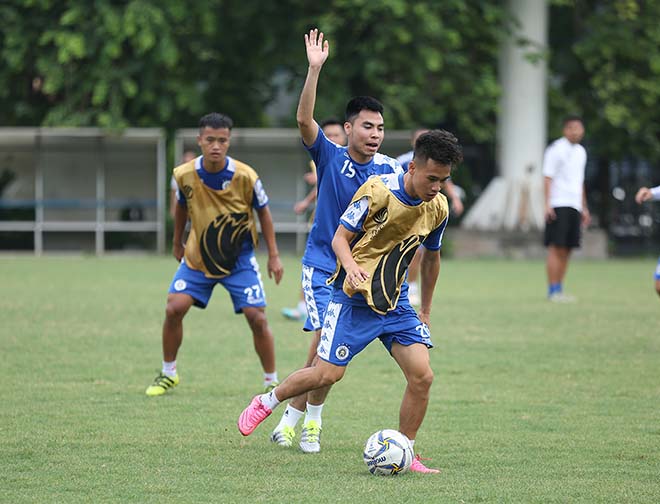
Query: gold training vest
(220, 219)
(392, 233)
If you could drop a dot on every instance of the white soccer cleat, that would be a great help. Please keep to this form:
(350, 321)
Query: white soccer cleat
(310, 439)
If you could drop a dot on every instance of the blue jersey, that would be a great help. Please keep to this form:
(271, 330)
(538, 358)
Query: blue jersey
(338, 178)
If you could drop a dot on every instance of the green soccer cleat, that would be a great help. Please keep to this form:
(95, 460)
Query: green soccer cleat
(283, 437)
(270, 386)
(310, 439)
(162, 384)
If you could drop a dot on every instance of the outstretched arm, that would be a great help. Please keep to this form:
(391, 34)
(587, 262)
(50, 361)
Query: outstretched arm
(275, 268)
(317, 53)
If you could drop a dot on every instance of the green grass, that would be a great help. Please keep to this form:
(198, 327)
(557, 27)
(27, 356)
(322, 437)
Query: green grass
(532, 402)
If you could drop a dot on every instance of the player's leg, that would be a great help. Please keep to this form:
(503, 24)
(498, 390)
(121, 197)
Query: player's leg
(408, 340)
(247, 294)
(264, 343)
(297, 383)
(298, 313)
(188, 287)
(317, 295)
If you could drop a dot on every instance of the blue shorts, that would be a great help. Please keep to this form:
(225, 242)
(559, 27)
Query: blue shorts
(348, 329)
(657, 271)
(244, 284)
(317, 295)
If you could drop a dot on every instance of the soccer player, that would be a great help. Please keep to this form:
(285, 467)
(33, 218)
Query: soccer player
(564, 163)
(340, 171)
(333, 130)
(450, 190)
(645, 194)
(219, 194)
(389, 217)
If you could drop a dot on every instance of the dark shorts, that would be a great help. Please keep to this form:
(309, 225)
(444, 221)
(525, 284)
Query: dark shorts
(564, 231)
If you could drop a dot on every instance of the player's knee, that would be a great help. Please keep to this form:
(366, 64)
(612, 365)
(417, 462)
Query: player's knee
(329, 376)
(257, 321)
(421, 381)
(175, 310)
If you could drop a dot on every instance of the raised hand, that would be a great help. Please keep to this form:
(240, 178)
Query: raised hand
(317, 48)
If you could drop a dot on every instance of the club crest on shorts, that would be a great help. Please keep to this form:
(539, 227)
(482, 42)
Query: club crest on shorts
(180, 285)
(342, 352)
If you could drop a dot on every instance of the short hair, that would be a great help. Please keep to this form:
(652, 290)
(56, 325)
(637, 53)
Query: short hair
(215, 120)
(331, 121)
(571, 118)
(440, 146)
(360, 103)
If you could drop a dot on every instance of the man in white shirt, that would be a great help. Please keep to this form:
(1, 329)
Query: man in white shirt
(645, 194)
(566, 209)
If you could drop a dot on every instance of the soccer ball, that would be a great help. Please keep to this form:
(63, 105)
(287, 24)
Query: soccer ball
(388, 453)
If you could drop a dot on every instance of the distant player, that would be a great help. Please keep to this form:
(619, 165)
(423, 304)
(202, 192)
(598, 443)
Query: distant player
(219, 194)
(340, 171)
(566, 210)
(645, 194)
(389, 217)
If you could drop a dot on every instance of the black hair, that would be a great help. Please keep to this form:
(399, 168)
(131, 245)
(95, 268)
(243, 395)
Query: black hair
(571, 118)
(440, 146)
(331, 121)
(360, 103)
(214, 120)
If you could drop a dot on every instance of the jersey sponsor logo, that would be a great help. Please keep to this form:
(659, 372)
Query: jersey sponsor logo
(221, 242)
(389, 272)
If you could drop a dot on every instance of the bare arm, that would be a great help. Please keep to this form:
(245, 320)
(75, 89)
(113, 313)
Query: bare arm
(643, 194)
(317, 53)
(586, 216)
(429, 271)
(268, 231)
(549, 211)
(456, 203)
(180, 218)
(341, 244)
(303, 204)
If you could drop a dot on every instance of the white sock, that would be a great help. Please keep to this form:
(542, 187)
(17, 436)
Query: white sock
(269, 378)
(270, 400)
(290, 417)
(314, 413)
(302, 307)
(169, 368)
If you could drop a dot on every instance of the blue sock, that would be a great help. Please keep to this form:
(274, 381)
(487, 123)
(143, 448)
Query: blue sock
(554, 289)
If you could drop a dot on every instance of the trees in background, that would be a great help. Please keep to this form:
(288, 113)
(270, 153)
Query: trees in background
(164, 62)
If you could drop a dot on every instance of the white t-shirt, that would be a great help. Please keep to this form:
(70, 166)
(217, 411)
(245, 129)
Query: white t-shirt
(655, 192)
(564, 163)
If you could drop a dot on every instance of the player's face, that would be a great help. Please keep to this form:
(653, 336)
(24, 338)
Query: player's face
(335, 133)
(365, 134)
(214, 144)
(428, 178)
(574, 131)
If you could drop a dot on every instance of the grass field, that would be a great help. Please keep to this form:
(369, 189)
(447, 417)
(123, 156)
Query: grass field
(533, 402)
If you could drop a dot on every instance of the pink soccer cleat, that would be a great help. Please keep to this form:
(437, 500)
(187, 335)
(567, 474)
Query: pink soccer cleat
(252, 416)
(418, 467)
